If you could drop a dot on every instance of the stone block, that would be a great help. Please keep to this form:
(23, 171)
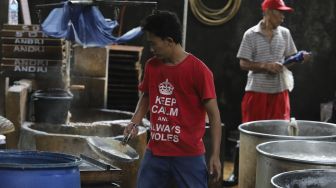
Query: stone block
(90, 61)
(16, 109)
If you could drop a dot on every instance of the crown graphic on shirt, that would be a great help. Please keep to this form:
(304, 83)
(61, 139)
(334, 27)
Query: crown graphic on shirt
(166, 88)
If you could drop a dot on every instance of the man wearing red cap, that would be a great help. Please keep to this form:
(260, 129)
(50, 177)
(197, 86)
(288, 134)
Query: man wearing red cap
(263, 51)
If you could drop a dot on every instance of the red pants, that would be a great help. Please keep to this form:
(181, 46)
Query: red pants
(265, 106)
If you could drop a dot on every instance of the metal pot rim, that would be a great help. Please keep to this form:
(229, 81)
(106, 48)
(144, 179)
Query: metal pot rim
(299, 172)
(61, 160)
(240, 127)
(275, 156)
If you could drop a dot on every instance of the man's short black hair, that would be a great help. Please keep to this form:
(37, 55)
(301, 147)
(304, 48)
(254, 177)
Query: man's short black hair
(163, 24)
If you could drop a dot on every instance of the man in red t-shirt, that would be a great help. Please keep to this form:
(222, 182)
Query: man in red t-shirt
(178, 90)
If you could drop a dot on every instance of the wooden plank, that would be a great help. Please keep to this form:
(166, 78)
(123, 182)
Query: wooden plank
(35, 52)
(125, 48)
(9, 69)
(96, 177)
(25, 12)
(16, 103)
(21, 61)
(23, 34)
(94, 95)
(30, 65)
(89, 61)
(3, 92)
(22, 27)
(33, 41)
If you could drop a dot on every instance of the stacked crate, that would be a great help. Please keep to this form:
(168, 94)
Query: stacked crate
(124, 71)
(28, 53)
(89, 70)
(110, 76)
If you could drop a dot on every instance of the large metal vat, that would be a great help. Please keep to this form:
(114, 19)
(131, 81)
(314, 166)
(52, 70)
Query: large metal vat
(31, 169)
(317, 178)
(72, 138)
(254, 133)
(286, 155)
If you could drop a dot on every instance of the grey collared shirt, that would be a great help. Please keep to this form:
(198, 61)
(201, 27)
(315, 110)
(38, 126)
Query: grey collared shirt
(256, 47)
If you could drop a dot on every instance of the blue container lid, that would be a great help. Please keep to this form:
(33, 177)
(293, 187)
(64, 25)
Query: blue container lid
(37, 159)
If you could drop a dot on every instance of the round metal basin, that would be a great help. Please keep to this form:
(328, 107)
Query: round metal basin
(72, 138)
(280, 156)
(317, 178)
(256, 132)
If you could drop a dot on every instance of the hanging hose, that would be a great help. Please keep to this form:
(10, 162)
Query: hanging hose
(214, 17)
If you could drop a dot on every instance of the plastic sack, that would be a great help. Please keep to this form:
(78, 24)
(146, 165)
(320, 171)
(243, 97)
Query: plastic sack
(287, 77)
(85, 25)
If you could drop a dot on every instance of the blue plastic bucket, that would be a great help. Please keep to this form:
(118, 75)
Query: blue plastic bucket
(33, 169)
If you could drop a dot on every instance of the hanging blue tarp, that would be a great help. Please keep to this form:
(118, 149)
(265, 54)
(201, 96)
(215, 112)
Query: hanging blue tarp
(85, 25)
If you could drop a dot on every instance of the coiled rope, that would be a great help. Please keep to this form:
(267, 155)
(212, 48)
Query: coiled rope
(214, 17)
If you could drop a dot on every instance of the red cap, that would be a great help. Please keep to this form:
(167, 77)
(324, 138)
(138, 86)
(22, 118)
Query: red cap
(275, 5)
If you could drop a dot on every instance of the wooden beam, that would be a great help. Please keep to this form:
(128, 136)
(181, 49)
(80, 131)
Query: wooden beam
(25, 12)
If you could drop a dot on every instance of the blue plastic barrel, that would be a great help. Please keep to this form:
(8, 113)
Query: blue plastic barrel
(34, 169)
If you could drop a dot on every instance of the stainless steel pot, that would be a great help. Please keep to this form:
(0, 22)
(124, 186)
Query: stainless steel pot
(254, 133)
(285, 155)
(317, 178)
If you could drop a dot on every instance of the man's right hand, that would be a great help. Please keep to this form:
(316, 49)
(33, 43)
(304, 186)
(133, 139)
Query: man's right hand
(131, 129)
(273, 68)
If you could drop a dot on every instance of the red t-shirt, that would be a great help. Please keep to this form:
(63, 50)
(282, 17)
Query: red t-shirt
(177, 113)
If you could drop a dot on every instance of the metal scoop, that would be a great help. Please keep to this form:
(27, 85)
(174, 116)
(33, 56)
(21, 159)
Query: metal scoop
(112, 149)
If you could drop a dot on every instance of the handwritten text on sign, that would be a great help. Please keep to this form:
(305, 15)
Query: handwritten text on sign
(31, 65)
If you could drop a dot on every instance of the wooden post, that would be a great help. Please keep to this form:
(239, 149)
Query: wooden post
(25, 12)
(2, 93)
(16, 107)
